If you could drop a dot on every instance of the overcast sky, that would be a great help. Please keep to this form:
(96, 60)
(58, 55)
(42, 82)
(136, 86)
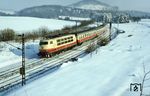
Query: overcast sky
(142, 5)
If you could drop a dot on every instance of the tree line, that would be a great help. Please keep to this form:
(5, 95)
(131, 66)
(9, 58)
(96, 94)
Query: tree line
(43, 32)
(10, 35)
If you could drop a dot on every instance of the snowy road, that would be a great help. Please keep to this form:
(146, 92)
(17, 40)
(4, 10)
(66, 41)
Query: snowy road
(107, 73)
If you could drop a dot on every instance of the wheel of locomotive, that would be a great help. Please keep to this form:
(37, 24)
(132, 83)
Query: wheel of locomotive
(47, 55)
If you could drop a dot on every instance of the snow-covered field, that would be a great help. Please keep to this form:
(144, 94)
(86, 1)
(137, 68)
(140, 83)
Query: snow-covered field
(25, 24)
(107, 73)
(10, 55)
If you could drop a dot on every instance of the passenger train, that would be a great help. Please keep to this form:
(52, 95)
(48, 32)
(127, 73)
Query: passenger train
(54, 45)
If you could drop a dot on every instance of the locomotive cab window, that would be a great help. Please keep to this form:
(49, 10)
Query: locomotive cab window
(43, 43)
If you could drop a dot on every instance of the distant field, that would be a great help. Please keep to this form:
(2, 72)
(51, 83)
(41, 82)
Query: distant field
(24, 24)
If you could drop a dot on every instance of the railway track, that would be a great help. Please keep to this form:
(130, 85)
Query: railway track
(11, 75)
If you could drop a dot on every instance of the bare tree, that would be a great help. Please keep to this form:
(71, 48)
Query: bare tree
(144, 79)
(7, 34)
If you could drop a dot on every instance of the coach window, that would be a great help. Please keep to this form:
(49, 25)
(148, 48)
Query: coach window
(63, 42)
(60, 43)
(51, 42)
(58, 40)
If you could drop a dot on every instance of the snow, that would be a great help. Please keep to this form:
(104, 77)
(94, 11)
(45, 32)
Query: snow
(10, 55)
(25, 24)
(74, 18)
(108, 72)
(92, 7)
(145, 20)
(7, 12)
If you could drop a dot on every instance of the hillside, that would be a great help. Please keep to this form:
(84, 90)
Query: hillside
(7, 12)
(53, 11)
(84, 8)
(137, 13)
(4, 14)
(91, 5)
